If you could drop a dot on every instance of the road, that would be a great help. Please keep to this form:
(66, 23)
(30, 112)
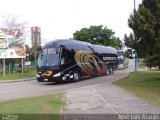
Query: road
(24, 89)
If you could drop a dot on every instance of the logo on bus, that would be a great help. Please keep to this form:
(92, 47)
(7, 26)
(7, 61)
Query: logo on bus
(47, 73)
(109, 58)
(90, 63)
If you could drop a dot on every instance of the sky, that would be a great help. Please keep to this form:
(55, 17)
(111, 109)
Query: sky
(59, 19)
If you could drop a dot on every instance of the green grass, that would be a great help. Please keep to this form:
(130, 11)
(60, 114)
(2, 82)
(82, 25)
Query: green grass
(34, 108)
(143, 84)
(18, 75)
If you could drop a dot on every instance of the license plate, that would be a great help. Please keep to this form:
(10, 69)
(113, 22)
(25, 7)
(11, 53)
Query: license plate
(45, 79)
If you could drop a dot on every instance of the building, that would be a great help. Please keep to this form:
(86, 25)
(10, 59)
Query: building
(36, 36)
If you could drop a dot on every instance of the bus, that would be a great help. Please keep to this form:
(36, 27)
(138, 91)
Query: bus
(122, 60)
(70, 60)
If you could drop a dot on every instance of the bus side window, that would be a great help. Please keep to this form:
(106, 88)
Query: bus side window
(62, 60)
(74, 48)
(64, 56)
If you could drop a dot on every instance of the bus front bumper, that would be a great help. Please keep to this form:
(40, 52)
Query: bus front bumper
(55, 78)
(51, 79)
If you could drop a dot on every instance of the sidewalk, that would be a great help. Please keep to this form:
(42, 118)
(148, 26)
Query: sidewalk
(106, 101)
(19, 80)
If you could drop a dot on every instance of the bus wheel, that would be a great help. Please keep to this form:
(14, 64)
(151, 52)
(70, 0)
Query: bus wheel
(111, 70)
(107, 71)
(76, 76)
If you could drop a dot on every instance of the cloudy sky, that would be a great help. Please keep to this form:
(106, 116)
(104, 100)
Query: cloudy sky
(61, 18)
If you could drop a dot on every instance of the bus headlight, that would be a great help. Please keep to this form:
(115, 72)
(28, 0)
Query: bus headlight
(57, 75)
(38, 75)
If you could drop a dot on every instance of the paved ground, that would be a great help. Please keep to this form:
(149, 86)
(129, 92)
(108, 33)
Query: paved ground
(101, 101)
(93, 98)
(16, 90)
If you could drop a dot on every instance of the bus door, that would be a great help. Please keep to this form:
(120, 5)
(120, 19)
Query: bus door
(65, 59)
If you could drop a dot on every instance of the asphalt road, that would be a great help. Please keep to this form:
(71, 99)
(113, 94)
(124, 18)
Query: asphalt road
(24, 89)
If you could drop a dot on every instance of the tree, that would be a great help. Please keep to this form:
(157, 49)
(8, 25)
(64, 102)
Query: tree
(10, 22)
(128, 53)
(129, 40)
(98, 35)
(145, 23)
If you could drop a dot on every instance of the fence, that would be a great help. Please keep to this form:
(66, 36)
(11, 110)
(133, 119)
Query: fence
(17, 67)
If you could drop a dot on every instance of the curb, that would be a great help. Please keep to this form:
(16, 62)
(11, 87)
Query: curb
(19, 80)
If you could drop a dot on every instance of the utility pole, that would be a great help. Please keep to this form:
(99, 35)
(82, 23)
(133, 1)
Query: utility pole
(134, 5)
(136, 59)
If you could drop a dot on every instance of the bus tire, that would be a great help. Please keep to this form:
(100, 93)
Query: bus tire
(107, 71)
(111, 70)
(76, 76)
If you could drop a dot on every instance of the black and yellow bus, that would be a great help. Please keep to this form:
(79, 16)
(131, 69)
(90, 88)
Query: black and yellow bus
(63, 60)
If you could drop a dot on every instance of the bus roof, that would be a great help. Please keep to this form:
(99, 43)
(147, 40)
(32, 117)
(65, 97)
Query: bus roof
(57, 42)
(63, 42)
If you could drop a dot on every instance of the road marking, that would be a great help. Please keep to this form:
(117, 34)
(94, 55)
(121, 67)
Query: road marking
(115, 110)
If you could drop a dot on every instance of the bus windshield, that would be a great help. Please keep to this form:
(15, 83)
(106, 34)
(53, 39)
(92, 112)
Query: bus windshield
(48, 57)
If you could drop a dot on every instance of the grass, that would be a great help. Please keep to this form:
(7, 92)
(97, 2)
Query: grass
(18, 75)
(34, 108)
(142, 84)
